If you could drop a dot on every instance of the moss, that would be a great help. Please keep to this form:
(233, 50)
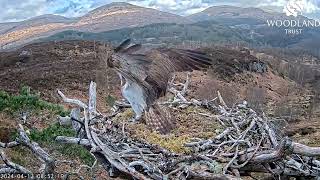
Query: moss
(19, 155)
(76, 151)
(49, 134)
(124, 116)
(47, 138)
(189, 126)
(170, 142)
(110, 100)
(27, 100)
(128, 114)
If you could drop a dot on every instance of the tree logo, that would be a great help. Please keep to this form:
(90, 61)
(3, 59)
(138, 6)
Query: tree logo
(294, 8)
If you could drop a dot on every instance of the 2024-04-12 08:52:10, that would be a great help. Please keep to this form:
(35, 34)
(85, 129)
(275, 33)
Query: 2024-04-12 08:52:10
(37, 176)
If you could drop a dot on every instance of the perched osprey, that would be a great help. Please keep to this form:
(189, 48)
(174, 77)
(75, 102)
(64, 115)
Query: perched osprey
(147, 75)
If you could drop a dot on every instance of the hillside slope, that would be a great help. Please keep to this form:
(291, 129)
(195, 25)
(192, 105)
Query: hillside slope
(248, 32)
(109, 17)
(164, 33)
(71, 65)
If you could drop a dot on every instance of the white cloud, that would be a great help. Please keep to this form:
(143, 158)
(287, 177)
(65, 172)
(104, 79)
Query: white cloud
(310, 6)
(183, 7)
(15, 10)
(193, 11)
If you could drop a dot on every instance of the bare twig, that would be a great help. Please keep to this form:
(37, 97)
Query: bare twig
(247, 143)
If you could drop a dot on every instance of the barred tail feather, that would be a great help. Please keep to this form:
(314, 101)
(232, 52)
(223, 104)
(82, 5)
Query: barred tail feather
(159, 119)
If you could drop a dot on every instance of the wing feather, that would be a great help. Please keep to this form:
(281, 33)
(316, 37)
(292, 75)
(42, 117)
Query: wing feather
(151, 72)
(186, 60)
(167, 61)
(197, 56)
(132, 49)
(154, 69)
(123, 45)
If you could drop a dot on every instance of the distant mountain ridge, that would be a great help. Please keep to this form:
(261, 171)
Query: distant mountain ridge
(161, 34)
(226, 11)
(239, 24)
(35, 21)
(108, 17)
(122, 15)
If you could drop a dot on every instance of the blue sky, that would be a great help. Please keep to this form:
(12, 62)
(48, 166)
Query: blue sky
(17, 10)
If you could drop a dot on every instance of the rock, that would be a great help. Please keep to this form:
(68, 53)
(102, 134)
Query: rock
(25, 56)
(259, 67)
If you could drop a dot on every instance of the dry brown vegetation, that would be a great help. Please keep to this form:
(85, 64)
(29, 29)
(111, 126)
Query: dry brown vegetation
(71, 65)
(66, 65)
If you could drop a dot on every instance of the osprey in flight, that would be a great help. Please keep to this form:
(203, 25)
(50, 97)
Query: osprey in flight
(147, 75)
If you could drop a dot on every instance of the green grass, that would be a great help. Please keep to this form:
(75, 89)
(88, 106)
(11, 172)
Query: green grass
(110, 100)
(27, 100)
(18, 155)
(47, 137)
(76, 151)
(49, 134)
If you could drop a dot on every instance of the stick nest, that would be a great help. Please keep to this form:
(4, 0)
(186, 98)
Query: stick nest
(243, 142)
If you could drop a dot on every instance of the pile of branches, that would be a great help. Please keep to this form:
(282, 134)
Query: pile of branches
(247, 143)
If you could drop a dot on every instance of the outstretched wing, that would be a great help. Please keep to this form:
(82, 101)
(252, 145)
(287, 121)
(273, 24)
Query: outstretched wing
(167, 61)
(180, 59)
(154, 69)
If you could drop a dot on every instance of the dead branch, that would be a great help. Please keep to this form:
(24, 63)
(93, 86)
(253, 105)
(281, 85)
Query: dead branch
(11, 166)
(23, 140)
(305, 150)
(221, 100)
(72, 140)
(9, 145)
(247, 143)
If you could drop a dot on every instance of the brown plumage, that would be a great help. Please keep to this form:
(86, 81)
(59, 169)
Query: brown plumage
(159, 119)
(147, 77)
